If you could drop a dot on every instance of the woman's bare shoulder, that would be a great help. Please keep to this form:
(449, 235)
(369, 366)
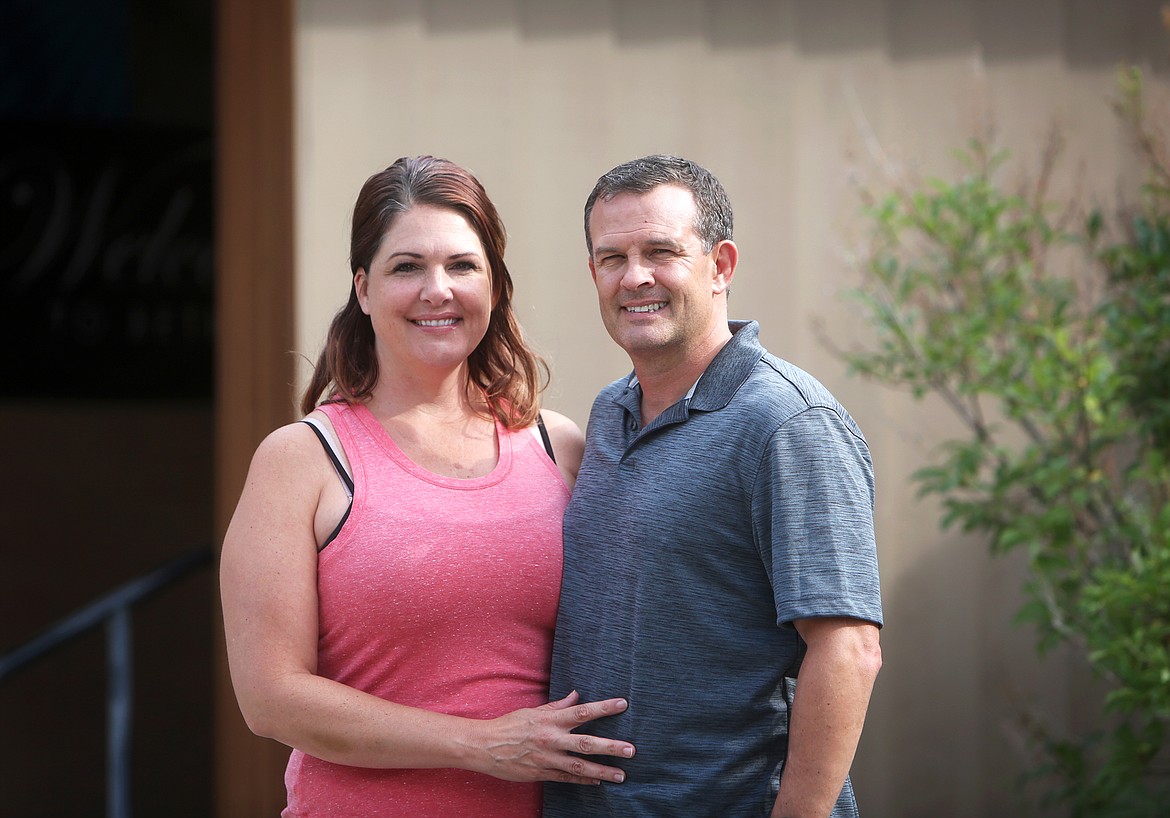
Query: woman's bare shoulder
(568, 441)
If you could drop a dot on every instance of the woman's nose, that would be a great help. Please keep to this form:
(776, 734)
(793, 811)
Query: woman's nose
(436, 286)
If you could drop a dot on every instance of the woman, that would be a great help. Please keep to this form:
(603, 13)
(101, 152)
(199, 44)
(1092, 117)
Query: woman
(391, 573)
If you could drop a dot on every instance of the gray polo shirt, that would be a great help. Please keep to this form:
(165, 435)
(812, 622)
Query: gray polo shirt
(691, 545)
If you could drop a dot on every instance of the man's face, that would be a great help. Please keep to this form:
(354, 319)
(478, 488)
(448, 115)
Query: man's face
(661, 296)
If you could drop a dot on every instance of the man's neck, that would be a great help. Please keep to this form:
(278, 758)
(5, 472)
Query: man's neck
(665, 382)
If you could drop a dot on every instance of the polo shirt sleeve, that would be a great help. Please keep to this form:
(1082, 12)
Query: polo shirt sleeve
(812, 517)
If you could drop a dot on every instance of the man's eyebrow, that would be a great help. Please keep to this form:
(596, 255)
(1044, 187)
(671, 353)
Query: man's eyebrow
(651, 241)
(664, 241)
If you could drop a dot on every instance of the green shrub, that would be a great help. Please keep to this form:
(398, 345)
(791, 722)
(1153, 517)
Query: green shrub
(1051, 344)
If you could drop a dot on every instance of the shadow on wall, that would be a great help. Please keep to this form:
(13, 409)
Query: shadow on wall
(1084, 32)
(959, 722)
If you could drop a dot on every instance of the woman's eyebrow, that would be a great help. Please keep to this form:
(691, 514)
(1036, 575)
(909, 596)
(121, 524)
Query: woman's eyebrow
(413, 254)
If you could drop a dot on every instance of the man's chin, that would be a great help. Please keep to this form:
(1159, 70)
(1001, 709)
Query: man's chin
(635, 343)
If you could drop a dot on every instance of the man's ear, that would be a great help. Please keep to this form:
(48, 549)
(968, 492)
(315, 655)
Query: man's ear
(592, 270)
(726, 256)
(360, 282)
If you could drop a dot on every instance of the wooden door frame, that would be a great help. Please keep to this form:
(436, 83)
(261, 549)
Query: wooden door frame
(254, 285)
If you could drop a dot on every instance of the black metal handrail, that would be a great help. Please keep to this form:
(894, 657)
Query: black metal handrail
(112, 610)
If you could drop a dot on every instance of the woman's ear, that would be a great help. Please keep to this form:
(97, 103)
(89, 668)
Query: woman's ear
(360, 282)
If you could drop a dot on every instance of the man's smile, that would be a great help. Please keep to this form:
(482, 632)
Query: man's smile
(655, 307)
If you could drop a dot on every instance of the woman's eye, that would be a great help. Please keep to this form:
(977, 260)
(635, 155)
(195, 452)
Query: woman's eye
(464, 267)
(405, 267)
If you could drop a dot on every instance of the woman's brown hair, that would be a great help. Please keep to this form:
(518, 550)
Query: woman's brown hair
(510, 375)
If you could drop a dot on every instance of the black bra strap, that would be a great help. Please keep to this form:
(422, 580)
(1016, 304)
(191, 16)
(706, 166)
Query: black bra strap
(545, 438)
(341, 472)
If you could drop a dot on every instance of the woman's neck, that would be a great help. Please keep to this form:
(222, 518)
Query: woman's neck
(436, 395)
(445, 430)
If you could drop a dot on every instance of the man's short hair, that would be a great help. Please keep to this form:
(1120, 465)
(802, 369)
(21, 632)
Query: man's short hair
(713, 220)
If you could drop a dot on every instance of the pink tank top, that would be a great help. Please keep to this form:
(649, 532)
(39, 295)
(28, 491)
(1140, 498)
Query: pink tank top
(439, 593)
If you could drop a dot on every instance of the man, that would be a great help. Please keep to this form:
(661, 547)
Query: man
(719, 543)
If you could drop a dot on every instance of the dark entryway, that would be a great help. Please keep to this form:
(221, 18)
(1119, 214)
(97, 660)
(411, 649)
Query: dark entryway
(106, 401)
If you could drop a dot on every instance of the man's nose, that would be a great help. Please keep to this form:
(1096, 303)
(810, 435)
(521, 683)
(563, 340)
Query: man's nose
(639, 273)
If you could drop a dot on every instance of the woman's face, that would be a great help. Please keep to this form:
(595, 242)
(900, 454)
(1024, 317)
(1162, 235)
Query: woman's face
(428, 290)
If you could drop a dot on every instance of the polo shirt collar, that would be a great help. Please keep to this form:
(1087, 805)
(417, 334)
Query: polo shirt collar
(719, 382)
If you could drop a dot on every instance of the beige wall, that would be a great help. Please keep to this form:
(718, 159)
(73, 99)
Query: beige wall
(784, 101)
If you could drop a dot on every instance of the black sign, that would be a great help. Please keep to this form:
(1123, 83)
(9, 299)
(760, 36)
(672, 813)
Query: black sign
(106, 262)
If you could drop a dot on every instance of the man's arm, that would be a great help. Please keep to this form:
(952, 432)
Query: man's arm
(832, 695)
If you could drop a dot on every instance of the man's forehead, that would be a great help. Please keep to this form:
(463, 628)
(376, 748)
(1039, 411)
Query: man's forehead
(665, 214)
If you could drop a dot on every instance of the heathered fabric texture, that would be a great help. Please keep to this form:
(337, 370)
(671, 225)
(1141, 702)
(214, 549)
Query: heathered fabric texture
(438, 593)
(690, 547)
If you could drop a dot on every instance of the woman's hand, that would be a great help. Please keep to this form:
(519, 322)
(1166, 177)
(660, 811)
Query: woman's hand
(536, 744)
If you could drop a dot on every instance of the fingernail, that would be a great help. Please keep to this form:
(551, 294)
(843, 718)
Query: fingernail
(628, 752)
(619, 778)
